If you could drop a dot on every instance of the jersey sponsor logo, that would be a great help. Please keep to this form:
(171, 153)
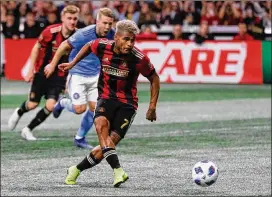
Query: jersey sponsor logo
(115, 71)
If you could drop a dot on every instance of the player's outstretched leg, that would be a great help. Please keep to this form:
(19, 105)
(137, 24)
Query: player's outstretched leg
(85, 126)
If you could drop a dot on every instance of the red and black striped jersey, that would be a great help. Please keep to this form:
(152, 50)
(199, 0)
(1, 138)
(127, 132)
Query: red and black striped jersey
(119, 73)
(49, 40)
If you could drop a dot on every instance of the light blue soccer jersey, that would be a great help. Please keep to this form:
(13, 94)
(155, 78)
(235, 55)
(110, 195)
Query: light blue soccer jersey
(90, 65)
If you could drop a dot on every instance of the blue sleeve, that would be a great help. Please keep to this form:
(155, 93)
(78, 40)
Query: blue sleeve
(110, 35)
(77, 40)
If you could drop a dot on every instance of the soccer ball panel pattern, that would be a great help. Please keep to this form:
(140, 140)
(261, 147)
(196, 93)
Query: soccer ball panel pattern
(205, 173)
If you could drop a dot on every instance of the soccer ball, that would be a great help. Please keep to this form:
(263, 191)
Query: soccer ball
(205, 173)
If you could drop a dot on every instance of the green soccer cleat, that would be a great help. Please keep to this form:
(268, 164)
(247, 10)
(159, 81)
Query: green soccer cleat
(72, 174)
(120, 176)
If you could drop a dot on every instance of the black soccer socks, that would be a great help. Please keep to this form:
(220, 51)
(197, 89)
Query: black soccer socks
(40, 117)
(88, 162)
(23, 109)
(111, 157)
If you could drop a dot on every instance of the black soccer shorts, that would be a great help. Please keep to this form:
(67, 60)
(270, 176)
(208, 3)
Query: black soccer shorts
(45, 87)
(120, 115)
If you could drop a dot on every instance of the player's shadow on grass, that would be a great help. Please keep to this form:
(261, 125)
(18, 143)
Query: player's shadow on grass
(91, 184)
(99, 184)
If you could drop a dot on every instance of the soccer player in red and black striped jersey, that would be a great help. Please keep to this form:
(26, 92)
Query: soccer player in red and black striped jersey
(121, 64)
(41, 55)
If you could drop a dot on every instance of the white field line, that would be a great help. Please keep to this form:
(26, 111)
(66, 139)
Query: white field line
(196, 131)
(232, 128)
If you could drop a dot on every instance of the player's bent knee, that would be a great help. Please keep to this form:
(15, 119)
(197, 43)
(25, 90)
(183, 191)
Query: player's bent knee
(50, 103)
(79, 109)
(32, 105)
(100, 124)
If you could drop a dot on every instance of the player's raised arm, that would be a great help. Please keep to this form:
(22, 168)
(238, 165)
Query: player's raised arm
(63, 49)
(85, 51)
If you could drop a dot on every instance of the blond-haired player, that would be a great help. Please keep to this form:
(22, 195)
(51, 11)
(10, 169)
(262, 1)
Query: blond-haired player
(82, 79)
(42, 54)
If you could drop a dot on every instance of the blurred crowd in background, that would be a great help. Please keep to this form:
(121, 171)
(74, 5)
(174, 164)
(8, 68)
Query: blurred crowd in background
(26, 19)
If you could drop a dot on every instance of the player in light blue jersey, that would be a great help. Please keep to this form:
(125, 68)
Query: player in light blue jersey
(82, 79)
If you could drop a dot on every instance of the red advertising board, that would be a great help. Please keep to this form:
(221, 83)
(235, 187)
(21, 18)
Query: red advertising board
(175, 61)
(17, 54)
(211, 62)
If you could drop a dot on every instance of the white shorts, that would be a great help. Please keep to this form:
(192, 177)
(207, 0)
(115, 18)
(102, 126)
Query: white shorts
(82, 89)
